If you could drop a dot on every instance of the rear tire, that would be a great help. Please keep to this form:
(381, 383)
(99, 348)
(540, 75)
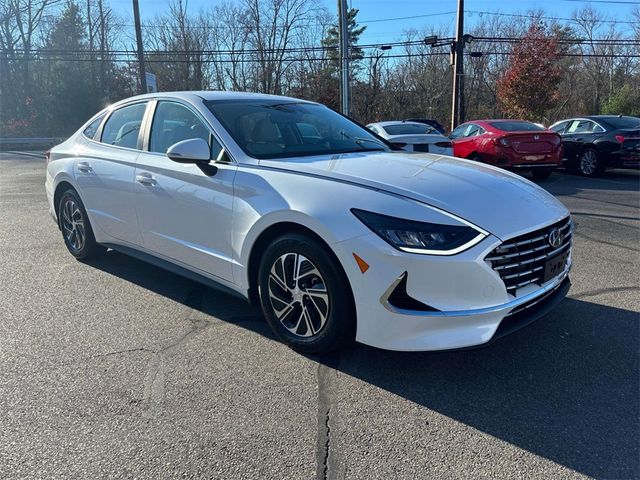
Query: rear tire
(305, 295)
(589, 164)
(475, 157)
(541, 174)
(75, 227)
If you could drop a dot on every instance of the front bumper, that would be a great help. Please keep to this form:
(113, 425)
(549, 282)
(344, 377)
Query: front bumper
(468, 300)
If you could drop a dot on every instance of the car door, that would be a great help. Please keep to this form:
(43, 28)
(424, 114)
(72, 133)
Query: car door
(576, 135)
(104, 173)
(184, 215)
(465, 144)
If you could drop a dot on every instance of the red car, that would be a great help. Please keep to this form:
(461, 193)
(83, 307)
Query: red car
(511, 144)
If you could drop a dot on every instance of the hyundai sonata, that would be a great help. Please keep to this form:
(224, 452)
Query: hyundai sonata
(335, 233)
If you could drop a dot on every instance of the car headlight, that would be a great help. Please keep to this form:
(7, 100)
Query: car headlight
(420, 237)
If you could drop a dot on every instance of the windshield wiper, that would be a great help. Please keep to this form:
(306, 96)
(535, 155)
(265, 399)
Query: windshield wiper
(360, 140)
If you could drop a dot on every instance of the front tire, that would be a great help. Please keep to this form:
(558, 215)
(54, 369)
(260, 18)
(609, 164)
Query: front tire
(305, 295)
(589, 164)
(76, 229)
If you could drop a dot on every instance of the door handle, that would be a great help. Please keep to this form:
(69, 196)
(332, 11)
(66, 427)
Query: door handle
(84, 167)
(579, 139)
(146, 179)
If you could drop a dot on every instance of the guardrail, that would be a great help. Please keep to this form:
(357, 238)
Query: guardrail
(24, 142)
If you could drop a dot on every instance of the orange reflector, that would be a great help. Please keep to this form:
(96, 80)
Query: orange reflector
(364, 266)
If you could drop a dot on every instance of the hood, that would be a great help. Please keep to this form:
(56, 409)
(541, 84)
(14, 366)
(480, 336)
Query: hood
(498, 201)
(417, 139)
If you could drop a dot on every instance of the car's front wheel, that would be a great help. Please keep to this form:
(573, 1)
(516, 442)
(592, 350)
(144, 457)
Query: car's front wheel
(76, 229)
(589, 164)
(305, 295)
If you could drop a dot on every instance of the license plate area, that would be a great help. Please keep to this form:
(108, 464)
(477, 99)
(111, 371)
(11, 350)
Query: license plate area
(555, 266)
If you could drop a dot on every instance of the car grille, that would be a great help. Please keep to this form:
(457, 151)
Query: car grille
(521, 261)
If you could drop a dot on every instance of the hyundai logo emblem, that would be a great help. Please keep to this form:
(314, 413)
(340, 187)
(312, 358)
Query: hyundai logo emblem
(555, 237)
(536, 137)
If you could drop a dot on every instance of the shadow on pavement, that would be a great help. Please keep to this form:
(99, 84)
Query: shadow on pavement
(564, 183)
(565, 388)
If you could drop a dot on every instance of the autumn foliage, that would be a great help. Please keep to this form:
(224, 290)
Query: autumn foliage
(529, 86)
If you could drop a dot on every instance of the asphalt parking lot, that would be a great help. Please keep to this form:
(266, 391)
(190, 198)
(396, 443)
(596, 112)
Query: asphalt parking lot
(118, 369)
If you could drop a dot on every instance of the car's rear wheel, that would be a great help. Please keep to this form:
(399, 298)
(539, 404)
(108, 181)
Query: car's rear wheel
(541, 174)
(589, 164)
(76, 229)
(475, 156)
(305, 295)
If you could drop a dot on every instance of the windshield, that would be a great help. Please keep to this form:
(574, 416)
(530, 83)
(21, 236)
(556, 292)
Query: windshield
(408, 129)
(270, 129)
(623, 122)
(516, 126)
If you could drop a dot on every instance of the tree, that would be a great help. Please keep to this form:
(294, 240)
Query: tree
(529, 87)
(625, 101)
(70, 82)
(332, 40)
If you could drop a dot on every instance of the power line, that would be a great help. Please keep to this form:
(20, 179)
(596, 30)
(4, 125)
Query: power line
(520, 15)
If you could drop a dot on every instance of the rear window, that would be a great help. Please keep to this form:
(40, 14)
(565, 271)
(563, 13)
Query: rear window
(516, 126)
(408, 129)
(92, 128)
(624, 122)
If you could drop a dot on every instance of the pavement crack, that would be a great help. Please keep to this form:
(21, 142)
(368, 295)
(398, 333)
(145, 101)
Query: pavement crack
(326, 455)
(120, 352)
(154, 383)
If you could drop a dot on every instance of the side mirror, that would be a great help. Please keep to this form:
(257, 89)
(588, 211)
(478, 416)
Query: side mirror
(193, 150)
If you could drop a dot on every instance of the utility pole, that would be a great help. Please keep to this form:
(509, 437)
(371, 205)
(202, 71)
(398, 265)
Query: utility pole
(457, 102)
(143, 75)
(343, 37)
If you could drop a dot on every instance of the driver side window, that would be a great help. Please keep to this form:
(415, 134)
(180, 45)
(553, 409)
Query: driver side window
(173, 123)
(457, 132)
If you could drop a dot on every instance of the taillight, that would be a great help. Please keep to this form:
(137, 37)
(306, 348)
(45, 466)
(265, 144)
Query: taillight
(502, 141)
(620, 138)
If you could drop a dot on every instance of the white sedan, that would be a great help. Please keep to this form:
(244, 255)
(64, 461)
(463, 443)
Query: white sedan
(413, 136)
(333, 232)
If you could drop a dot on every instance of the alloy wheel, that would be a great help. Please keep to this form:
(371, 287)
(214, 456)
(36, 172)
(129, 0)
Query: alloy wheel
(298, 295)
(588, 162)
(73, 226)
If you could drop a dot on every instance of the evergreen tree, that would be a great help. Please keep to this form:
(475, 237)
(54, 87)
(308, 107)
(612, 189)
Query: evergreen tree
(70, 98)
(354, 31)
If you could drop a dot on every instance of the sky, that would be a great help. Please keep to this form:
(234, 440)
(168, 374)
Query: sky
(384, 21)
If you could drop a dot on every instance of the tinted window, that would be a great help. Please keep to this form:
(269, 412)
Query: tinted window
(271, 128)
(92, 128)
(516, 126)
(472, 130)
(580, 126)
(408, 129)
(559, 128)
(623, 122)
(458, 131)
(123, 126)
(173, 123)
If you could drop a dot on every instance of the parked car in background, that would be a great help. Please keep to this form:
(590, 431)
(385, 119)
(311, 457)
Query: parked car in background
(429, 121)
(594, 143)
(295, 207)
(413, 136)
(512, 144)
